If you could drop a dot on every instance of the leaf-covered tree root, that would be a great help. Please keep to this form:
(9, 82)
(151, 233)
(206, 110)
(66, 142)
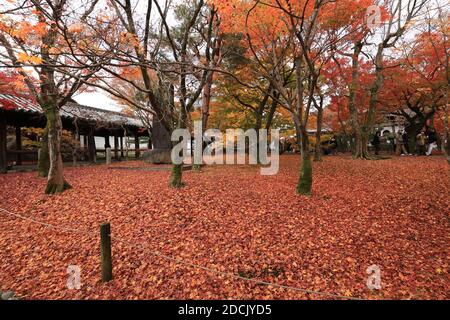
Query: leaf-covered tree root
(370, 157)
(54, 188)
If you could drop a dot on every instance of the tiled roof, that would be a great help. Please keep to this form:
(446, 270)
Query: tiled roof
(73, 110)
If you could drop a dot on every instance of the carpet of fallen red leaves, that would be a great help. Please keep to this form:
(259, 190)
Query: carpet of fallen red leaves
(392, 213)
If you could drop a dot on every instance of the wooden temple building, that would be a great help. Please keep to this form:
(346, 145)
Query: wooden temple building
(84, 122)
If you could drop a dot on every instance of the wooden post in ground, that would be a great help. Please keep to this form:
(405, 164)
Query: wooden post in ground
(108, 156)
(19, 145)
(3, 144)
(105, 237)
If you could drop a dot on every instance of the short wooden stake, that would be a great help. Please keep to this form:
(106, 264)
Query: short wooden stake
(105, 237)
(108, 156)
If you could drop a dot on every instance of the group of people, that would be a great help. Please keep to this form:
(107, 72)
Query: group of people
(426, 142)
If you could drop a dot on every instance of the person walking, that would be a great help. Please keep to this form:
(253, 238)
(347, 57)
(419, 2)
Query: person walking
(376, 143)
(421, 142)
(400, 146)
(406, 142)
(391, 140)
(333, 145)
(432, 141)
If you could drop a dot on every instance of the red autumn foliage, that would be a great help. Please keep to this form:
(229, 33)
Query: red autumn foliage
(12, 83)
(391, 213)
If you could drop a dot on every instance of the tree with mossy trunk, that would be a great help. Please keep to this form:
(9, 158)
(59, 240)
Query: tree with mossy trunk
(213, 60)
(295, 47)
(169, 60)
(319, 125)
(170, 68)
(51, 51)
(191, 81)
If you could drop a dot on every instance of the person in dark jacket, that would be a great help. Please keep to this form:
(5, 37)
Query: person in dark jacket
(400, 145)
(406, 142)
(432, 140)
(376, 143)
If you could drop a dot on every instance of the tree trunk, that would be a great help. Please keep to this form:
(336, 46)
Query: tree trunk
(44, 160)
(177, 176)
(3, 143)
(206, 102)
(176, 179)
(19, 145)
(56, 182)
(318, 150)
(92, 148)
(413, 131)
(160, 136)
(304, 186)
(272, 110)
(361, 150)
(362, 135)
(258, 125)
(446, 140)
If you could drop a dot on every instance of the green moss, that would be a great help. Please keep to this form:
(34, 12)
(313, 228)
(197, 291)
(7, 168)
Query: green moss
(44, 160)
(176, 177)
(304, 186)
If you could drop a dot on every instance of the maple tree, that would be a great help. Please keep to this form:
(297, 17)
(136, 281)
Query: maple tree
(290, 42)
(393, 24)
(40, 43)
(175, 62)
(294, 65)
(309, 59)
(12, 83)
(428, 59)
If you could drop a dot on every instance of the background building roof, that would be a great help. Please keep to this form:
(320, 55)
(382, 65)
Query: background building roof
(74, 110)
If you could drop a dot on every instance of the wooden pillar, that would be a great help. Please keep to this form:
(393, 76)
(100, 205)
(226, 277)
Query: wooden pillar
(91, 147)
(150, 143)
(19, 145)
(85, 148)
(108, 156)
(3, 144)
(116, 147)
(121, 148)
(107, 143)
(137, 146)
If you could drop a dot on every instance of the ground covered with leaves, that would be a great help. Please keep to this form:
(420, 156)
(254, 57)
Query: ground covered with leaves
(392, 213)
